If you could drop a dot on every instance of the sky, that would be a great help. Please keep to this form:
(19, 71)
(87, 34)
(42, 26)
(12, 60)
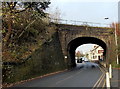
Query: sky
(85, 48)
(89, 11)
(119, 12)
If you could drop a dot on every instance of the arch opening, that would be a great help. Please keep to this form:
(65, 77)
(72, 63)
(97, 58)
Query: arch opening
(72, 46)
(89, 53)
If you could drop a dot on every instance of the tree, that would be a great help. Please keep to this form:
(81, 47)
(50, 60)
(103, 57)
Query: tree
(11, 11)
(22, 23)
(55, 14)
(116, 26)
(79, 54)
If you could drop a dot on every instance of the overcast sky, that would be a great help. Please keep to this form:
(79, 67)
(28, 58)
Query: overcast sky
(87, 10)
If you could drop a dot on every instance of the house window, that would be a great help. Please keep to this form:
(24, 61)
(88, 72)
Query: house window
(100, 51)
(94, 57)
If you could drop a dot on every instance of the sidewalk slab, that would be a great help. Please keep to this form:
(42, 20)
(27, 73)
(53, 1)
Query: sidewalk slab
(115, 81)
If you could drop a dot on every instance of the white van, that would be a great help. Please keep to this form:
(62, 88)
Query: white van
(85, 59)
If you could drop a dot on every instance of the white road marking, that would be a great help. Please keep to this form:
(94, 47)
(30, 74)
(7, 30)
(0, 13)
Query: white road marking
(100, 79)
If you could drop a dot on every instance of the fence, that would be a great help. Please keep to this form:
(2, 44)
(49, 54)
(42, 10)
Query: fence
(74, 22)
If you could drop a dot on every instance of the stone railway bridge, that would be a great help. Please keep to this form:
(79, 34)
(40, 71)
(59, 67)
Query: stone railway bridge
(72, 36)
(49, 58)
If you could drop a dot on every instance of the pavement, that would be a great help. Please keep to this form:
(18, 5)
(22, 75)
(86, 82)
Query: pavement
(115, 80)
(86, 74)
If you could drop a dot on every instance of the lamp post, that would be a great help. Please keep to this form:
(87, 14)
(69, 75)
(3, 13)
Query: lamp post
(106, 18)
(109, 72)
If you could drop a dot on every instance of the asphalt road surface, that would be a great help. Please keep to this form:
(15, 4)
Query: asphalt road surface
(86, 74)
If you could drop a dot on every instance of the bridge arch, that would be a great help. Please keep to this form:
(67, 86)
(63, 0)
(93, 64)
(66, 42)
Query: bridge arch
(73, 44)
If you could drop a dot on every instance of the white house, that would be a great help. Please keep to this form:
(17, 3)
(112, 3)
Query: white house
(96, 53)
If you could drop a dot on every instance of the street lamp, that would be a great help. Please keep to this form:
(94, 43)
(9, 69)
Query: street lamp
(106, 18)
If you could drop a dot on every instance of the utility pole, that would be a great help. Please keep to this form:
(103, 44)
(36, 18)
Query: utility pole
(116, 43)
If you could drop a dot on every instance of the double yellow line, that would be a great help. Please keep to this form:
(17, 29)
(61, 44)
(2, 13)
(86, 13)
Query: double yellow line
(97, 84)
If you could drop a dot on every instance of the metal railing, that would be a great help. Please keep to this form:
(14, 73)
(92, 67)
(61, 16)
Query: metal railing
(80, 23)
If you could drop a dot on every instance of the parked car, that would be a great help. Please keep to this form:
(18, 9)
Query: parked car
(79, 60)
(85, 59)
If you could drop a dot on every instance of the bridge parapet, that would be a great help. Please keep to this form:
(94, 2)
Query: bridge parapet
(84, 30)
(82, 23)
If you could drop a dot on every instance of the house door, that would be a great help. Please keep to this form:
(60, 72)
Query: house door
(98, 57)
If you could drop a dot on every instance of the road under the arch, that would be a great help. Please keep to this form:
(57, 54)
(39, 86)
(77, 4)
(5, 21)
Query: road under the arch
(80, 41)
